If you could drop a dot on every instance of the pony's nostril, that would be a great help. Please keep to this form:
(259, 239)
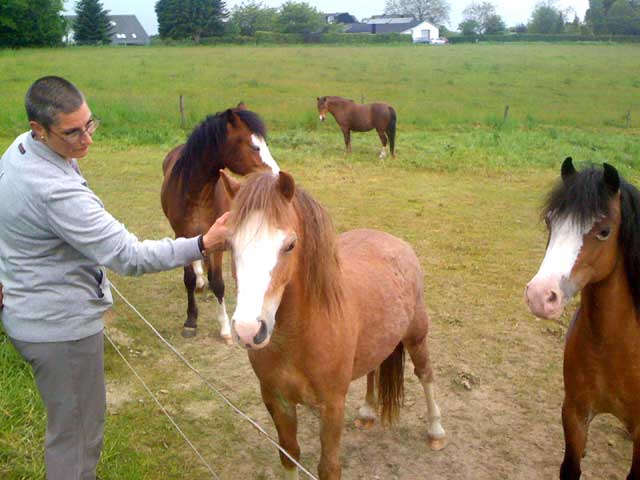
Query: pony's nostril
(552, 298)
(262, 333)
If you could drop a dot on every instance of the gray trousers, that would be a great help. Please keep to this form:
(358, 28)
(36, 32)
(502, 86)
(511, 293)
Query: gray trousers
(70, 378)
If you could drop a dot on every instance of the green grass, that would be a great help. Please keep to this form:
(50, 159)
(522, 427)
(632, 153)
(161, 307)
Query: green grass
(464, 190)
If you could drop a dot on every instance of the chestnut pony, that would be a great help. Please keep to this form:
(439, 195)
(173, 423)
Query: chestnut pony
(192, 198)
(354, 117)
(316, 311)
(594, 248)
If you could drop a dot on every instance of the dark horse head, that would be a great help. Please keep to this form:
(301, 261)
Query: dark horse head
(233, 139)
(593, 218)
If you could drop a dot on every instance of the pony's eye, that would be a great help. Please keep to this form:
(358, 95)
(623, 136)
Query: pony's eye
(255, 148)
(547, 220)
(289, 246)
(604, 233)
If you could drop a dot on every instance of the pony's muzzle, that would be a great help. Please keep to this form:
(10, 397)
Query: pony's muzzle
(322, 117)
(252, 335)
(545, 299)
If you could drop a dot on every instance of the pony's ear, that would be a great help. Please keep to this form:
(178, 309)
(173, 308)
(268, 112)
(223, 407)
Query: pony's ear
(611, 178)
(241, 106)
(231, 185)
(286, 185)
(232, 117)
(567, 169)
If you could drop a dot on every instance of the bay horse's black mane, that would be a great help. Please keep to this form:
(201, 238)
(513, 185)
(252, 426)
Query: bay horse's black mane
(204, 144)
(584, 196)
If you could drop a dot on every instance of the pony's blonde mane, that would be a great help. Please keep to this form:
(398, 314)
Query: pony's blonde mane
(319, 265)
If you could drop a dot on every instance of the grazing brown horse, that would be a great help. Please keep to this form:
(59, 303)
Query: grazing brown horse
(192, 198)
(316, 312)
(352, 116)
(594, 247)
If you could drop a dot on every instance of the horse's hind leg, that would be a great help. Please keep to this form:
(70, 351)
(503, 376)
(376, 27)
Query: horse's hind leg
(216, 283)
(419, 352)
(191, 324)
(383, 139)
(367, 412)
(575, 425)
(285, 418)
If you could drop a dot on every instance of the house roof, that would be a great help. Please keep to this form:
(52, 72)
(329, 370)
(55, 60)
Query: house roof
(380, 27)
(127, 30)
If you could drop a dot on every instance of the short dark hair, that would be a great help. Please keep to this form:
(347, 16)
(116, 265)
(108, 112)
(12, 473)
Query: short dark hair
(49, 96)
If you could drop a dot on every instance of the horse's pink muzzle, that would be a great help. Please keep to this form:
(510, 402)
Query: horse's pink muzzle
(545, 298)
(251, 335)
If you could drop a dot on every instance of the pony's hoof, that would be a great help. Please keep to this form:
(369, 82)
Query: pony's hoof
(436, 444)
(189, 332)
(365, 423)
(227, 339)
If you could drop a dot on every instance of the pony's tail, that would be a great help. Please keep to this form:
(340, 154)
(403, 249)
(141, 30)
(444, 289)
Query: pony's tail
(390, 384)
(391, 131)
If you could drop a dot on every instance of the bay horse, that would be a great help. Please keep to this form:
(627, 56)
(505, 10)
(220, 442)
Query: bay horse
(192, 198)
(316, 311)
(594, 248)
(354, 117)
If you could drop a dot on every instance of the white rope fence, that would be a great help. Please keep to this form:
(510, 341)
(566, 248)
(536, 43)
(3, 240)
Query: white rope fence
(212, 387)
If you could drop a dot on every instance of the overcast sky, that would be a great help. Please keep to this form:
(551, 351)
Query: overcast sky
(512, 11)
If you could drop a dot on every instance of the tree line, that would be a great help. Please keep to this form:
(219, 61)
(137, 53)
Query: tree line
(26, 23)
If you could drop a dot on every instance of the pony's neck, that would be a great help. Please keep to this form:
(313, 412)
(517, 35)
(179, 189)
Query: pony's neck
(608, 305)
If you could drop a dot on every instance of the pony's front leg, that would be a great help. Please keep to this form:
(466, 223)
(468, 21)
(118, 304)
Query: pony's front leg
(331, 424)
(575, 425)
(634, 474)
(190, 327)
(216, 283)
(285, 418)
(347, 139)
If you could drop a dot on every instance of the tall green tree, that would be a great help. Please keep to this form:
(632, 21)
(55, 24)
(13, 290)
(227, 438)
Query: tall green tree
(299, 17)
(595, 16)
(194, 19)
(623, 18)
(31, 23)
(434, 11)
(254, 17)
(485, 15)
(92, 25)
(546, 18)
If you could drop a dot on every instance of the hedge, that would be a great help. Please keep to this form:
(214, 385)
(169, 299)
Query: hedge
(538, 37)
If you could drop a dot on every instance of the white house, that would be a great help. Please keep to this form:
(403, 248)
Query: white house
(421, 32)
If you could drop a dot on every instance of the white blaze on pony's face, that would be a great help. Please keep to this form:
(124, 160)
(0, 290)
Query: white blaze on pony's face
(265, 153)
(260, 254)
(551, 288)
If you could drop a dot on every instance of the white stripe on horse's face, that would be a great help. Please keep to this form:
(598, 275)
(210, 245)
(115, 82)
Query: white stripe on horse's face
(265, 154)
(564, 247)
(551, 288)
(256, 249)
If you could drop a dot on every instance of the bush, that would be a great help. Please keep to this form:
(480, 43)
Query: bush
(539, 37)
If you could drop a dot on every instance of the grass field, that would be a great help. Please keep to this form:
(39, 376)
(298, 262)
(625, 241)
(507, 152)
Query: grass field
(464, 190)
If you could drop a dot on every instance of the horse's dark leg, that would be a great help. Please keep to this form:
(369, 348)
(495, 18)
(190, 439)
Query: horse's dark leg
(419, 353)
(634, 474)
(575, 425)
(367, 412)
(191, 324)
(216, 283)
(347, 139)
(285, 418)
(383, 139)
(331, 423)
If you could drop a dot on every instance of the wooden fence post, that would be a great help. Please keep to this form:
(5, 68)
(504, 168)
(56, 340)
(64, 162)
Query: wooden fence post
(182, 120)
(506, 113)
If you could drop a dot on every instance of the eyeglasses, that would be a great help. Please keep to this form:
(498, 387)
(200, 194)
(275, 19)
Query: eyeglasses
(75, 135)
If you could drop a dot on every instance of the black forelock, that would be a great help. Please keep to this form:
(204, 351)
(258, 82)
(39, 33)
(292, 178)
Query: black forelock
(630, 237)
(583, 196)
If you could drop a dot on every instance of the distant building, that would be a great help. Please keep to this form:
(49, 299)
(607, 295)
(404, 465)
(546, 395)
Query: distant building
(340, 17)
(126, 30)
(421, 32)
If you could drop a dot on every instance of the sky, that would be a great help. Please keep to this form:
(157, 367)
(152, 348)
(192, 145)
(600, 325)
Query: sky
(511, 11)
